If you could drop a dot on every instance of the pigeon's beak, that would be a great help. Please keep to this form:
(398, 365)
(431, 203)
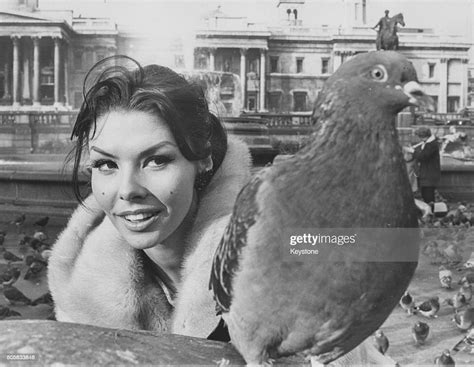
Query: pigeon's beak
(418, 97)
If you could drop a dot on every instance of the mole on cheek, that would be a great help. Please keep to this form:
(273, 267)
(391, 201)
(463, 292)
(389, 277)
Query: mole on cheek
(171, 192)
(103, 193)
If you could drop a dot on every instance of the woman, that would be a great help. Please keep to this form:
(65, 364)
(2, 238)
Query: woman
(137, 254)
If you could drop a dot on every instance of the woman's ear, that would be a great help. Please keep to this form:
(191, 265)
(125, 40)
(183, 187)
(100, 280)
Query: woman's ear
(205, 165)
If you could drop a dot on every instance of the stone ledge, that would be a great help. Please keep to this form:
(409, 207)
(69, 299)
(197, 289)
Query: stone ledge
(68, 343)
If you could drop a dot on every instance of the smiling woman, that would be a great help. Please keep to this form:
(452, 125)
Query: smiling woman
(137, 253)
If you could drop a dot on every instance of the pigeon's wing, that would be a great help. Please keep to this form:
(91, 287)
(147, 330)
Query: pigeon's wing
(226, 257)
(425, 306)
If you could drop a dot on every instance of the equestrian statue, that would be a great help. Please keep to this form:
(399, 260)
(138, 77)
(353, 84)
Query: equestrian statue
(387, 38)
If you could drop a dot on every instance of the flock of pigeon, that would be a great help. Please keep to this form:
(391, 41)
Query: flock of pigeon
(34, 252)
(444, 237)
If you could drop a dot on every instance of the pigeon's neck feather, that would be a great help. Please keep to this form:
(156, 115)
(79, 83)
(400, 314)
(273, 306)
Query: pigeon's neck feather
(354, 168)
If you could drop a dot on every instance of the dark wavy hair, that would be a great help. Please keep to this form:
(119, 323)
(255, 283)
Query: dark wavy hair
(154, 89)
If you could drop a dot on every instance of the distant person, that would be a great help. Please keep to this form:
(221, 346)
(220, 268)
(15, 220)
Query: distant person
(382, 24)
(427, 155)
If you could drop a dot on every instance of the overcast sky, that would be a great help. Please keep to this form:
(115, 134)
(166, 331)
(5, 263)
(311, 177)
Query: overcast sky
(175, 17)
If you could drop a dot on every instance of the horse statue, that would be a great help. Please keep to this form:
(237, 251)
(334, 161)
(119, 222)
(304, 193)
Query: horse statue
(387, 38)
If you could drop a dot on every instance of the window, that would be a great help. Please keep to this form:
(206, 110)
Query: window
(227, 64)
(78, 60)
(453, 104)
(431, 70)
(252, 103)
(299, 65)
(274, 64)
(324, 66)
(274, 101)
(201, 62)
(299, 99)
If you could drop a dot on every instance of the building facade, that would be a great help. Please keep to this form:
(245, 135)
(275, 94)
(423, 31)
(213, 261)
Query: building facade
(284, 66)
(279, 67)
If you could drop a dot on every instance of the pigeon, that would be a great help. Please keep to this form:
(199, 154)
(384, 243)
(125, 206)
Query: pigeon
(444, 359)
(40, 236)
(19, 221)
(10, 256)
(458, 301)
(7, 312)
(324, 309)
(45, 299)
(464, 320)
(466, 344)
(445, 277)
(35, 268)
(381, 341)
(420, 332)
(468, 278)
(14, 296)
(11, 275)
(42, 222)
(429, 308)
(466, 291)
(407, 303)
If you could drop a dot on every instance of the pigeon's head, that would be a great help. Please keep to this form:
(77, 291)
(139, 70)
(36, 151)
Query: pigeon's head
(383, 80)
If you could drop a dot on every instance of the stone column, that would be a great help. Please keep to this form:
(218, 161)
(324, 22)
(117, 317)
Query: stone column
(337, 60)
(16, 70)
(57, 40)
(36, 71)
(66, 73)
(25, 85)
(7, 75)
(243, 76)
(443, 86)
(262, 80)
(464, 83)
(212, 57)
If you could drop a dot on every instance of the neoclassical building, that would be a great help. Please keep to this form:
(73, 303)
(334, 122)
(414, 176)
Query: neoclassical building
(285, 65)
(280, 67)
(45, 55)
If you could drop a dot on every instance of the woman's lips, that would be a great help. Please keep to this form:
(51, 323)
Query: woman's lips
(140, 221)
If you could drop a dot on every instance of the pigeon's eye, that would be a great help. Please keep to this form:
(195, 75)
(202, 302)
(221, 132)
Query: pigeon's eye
(379, 73)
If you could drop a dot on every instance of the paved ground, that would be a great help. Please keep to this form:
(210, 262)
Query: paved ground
(443, 334)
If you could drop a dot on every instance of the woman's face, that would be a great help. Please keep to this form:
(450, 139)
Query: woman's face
(139, 176)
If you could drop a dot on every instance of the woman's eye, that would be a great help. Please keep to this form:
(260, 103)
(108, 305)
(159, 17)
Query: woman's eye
(379, 73)
(157, 161)
(104, 165)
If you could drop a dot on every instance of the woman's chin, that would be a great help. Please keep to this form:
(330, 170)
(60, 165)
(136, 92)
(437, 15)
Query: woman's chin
(141, 241)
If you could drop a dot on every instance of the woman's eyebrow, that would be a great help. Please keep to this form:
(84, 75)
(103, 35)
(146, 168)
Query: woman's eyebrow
(103, 152)
(143, 153)
(155, 147)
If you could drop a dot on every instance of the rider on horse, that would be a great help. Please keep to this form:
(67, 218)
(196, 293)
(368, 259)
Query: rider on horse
(387, 38)
(382, 24)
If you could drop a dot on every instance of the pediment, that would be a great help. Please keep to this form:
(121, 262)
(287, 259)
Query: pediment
(6, 17)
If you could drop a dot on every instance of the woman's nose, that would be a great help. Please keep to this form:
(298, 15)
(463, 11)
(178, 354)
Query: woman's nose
(131, 187)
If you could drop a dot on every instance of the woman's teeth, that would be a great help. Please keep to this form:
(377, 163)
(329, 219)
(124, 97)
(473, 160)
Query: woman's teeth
(139, 217)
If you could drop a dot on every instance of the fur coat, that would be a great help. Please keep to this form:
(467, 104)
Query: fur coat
(96, 278)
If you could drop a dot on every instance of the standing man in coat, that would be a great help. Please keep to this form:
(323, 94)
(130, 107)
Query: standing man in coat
(427, 155)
